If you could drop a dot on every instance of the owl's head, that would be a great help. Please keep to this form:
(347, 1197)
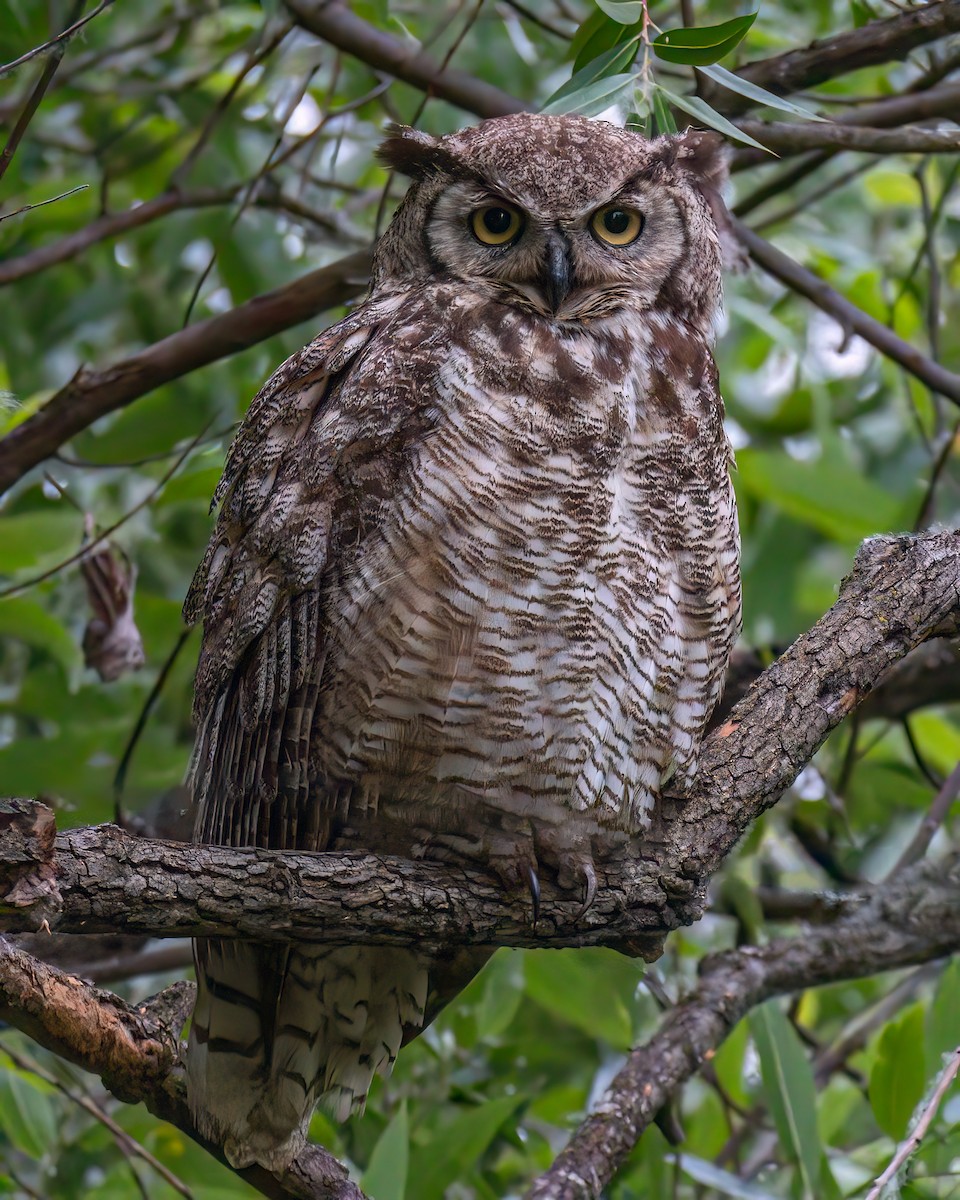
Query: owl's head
(569, 218)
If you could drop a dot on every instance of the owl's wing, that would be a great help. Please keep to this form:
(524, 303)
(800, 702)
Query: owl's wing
(283, 497)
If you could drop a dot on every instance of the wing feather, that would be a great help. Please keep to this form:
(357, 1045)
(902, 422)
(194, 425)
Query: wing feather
(257, 592)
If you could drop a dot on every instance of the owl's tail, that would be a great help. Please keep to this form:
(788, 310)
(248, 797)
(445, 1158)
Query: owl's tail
(277, 1029)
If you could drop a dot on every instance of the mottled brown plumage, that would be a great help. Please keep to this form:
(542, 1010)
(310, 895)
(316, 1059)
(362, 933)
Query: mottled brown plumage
(474, 581)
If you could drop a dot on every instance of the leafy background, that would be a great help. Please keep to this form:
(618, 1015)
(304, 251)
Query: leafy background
(275, 176)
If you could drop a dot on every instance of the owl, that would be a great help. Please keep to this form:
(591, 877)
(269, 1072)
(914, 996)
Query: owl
(473, 584)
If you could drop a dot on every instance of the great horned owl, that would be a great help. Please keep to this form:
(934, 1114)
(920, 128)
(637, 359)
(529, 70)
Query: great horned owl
(474, 581)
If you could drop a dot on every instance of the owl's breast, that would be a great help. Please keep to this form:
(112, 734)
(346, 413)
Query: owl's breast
(512, 629)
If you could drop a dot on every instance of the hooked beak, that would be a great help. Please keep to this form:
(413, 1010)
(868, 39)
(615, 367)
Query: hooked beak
(558, 274)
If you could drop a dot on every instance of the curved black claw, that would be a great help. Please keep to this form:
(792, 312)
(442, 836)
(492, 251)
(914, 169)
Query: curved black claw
(533, 882)
(588, 877)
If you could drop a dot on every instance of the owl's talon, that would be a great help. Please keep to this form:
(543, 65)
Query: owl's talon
(588, 877)
(533, 882)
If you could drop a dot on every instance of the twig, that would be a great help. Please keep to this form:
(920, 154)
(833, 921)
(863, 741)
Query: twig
(56, 43)
(120, 776)
(109, 225)
(912, 1143)
(252, 186)
(827, 188)
(853, 319)
(172, 956)
(254, 58)
(82, 187)
(782, 182)
(531, 15)
(948, 442)
(933, 819)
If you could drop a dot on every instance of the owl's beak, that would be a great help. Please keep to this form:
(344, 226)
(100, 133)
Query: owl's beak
(558, 277)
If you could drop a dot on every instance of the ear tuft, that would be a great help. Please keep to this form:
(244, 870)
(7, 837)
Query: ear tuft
(411, 152)
(704, 154)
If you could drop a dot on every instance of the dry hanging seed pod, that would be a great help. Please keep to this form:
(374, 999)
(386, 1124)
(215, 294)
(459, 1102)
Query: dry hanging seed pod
(111, 641)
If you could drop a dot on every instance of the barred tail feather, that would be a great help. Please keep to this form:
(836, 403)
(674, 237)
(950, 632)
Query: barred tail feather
(277, 1029)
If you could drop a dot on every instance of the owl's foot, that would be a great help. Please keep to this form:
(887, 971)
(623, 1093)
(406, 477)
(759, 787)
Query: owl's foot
(510, 856)
(571, 850)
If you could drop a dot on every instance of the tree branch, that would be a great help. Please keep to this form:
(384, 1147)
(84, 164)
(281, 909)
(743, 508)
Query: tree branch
(853, 319)
(336, 24)
(911, 921)
(786, 137)
(874, 43)
(110, 225)
(901, 591)
(136, 1052)
(92, 394)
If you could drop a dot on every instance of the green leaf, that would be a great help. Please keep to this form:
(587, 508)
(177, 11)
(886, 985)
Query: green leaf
(594, 98)
(728, 1062)
(899, 1073)
(597, 36)
(27, 1114)
(709, 116)
(861, 13)
(567, 983)
(610, 64)
(942, 1024)
(744, 87)
(826, 494)
(28, 621)
(699, 46)
(457, 1146)
(789, 1091)
(627, 12)
(662, 116)
(503, 984)
(721, 1181)
(741, 898)
(386, 1175)
(26, 539)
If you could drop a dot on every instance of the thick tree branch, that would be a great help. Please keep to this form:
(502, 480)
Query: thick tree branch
(92, 394)
(852, 318)
(901, 591)
(912, 921)
(136, 1052)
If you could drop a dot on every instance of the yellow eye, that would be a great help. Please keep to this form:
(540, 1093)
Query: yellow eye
(617, 226)
(496, 224)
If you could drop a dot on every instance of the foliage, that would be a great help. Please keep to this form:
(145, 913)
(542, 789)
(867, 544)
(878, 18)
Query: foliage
(264, 136)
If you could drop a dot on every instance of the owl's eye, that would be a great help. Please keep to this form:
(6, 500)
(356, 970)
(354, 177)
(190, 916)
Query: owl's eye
(617, 226)
(496, 224)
